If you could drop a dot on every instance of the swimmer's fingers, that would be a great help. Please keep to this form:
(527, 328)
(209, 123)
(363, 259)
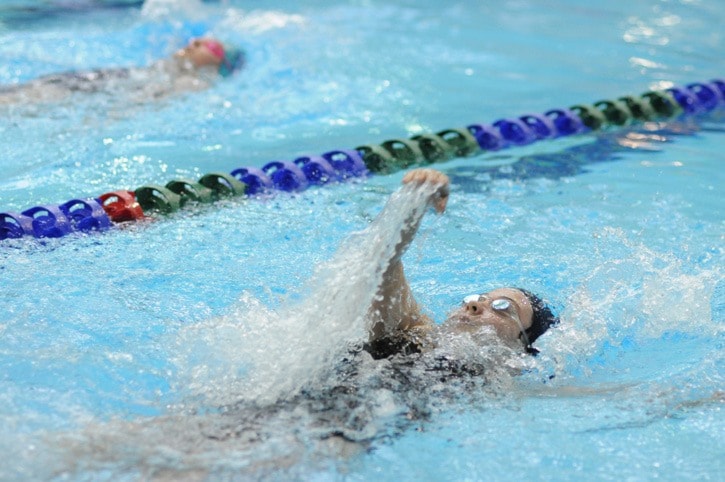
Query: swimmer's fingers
(424, 175)
(439, 200)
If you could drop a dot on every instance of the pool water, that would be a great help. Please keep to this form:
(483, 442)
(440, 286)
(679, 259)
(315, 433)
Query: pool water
(122, 352)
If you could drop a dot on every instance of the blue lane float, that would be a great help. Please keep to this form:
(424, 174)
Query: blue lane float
(347, 163)
(85, 215)
(256, 180)
(316, 169)
(15, 225)
(109, 209)
(48, 221)
(286, 176)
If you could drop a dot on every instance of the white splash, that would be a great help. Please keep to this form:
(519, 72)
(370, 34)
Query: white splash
(261, 355)
(634, 292)
(258, 21)
(173, 9)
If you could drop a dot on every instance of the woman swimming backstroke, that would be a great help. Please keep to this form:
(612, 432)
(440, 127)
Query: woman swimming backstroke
(407, 367)
(192, 68)
(398, 326)
(290, 413)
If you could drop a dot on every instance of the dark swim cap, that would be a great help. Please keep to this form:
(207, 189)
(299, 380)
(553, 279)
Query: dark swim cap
(542, 319)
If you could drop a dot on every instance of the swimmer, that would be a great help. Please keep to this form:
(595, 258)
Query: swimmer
(518, 316)
(192, 68)
(375, 391)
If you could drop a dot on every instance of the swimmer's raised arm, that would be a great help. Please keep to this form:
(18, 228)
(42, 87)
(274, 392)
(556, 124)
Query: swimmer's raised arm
(394, 304)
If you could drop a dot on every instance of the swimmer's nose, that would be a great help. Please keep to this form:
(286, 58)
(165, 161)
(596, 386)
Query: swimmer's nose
(474, 308)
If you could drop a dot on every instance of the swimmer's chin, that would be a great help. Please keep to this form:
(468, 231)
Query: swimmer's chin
(460, 326)
(459, 322)
(472, 345)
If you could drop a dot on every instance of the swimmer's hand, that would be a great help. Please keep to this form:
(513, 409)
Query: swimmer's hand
(439, 200)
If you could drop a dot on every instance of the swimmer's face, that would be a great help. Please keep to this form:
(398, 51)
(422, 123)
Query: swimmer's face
(200, 54)
(507, 310)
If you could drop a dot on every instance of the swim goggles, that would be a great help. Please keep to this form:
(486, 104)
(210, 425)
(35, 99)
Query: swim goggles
(502, 305)
(499, 304)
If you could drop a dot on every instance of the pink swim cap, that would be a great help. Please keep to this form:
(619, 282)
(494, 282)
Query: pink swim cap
(216, 48)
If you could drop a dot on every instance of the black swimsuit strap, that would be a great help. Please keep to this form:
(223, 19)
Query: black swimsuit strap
(388, 346)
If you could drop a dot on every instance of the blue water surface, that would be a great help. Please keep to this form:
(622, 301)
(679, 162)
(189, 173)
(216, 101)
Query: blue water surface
(621, 230)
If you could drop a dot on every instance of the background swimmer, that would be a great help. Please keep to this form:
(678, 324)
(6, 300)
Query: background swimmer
(398, 326)
(192, 68)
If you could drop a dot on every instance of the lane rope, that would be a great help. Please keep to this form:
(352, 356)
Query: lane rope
(113, 208)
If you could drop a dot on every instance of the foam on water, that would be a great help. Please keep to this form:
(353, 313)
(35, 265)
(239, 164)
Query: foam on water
(165, 9)
(635, 291)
